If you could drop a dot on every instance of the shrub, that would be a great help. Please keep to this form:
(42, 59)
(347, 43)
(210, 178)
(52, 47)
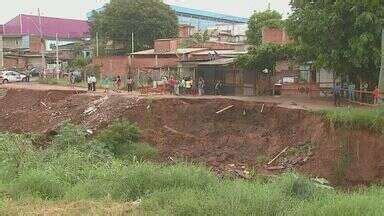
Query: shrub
(119, 137)
(69, 136)
(297, 187)
(122, 139)
(17, 154)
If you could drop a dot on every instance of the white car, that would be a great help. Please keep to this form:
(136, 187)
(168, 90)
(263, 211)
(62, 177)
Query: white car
(11, 76)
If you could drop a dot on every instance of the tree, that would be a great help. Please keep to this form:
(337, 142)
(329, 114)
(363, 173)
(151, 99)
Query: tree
(147, 19)
(266, 56)
(258, 20)
(343, 36)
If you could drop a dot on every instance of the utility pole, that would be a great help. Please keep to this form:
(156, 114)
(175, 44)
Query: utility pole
(21, 24)
(133, 42)
(132, 56)
(381, 80)
(42, 43)
(1, 52)
(97, 44)
(57, 56)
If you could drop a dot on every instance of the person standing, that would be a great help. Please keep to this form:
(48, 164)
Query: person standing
(188, 86)
(201, 86)
(364, 89)
(218, 87)
(130, 84)
(171, 85)
(351, 92)
(118, 83)
(89, 82)
(182, 86)
(376, 95)
(337, 94)
(28, 75)
(177, 87)
(93, 82)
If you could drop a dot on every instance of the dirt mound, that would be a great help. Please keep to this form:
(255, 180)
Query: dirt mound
(245, 136)
(34, 111)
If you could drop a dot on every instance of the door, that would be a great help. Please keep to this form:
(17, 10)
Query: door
(17, 77)
(10, 77)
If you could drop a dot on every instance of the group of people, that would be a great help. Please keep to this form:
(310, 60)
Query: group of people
(364, 94)
(117, 83)
(91, 80)
(187, 86)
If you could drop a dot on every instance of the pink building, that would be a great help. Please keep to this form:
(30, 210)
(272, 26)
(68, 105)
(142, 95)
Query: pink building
(50, 26)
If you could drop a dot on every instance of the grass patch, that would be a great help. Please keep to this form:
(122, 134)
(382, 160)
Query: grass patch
(77, 175)
(48, 81)
(3, 93)
(354, 118)
(41, 207)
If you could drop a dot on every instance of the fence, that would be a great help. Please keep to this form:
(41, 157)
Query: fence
(361, 97)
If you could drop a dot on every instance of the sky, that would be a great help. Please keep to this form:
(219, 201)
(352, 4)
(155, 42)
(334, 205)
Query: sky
(77, 9)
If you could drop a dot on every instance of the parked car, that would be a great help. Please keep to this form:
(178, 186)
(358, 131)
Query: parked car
(12, 76)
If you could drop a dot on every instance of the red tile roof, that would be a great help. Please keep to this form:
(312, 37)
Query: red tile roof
(65, 28)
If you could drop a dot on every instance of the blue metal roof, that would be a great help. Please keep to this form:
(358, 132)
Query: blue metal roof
(197, 13)
(207, 14)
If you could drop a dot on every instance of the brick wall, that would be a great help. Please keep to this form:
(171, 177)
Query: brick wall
(120, 65)
(166, 45)
(283, 70)
(185, 31)
(149, 61)
(15, 62)
(35, 44)
(112, 65)
(275, 35)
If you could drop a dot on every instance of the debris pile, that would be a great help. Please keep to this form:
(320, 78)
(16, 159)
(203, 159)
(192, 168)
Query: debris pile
(290, 157)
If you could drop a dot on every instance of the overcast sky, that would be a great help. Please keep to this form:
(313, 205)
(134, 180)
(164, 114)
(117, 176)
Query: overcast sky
(78, 8)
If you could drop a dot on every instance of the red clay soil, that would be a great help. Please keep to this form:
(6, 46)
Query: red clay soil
(242, 138)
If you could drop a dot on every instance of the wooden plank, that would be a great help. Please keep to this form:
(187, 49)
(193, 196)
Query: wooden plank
(277, 156)
(225, 109)
(178, 132)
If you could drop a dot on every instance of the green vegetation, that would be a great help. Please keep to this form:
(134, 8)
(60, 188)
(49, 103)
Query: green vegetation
(354, 118)
(340, 166)
(3, 92)
(259, 20)
(148, 20)
(108, 174)
(343, 36)
(48, 81)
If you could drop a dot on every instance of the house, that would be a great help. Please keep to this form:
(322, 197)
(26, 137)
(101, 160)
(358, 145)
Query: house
(161, 60)
(296, 79)
(20, 51)
(223, 68)
(235, 33)
(27, 35)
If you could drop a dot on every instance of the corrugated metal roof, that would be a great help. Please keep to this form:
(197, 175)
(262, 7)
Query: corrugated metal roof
(179, 51)
(223, 61)
(203, 13)
(221, 52)
(65, 28)
(194, 12)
